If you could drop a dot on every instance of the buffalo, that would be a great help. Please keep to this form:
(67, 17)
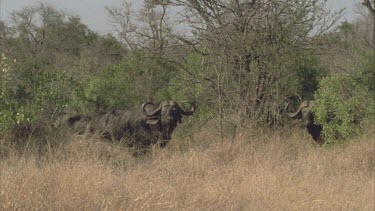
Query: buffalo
(305, 113)
(138, 127)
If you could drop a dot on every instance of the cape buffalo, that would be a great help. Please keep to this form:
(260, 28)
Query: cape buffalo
(305, 113)
(139, 127)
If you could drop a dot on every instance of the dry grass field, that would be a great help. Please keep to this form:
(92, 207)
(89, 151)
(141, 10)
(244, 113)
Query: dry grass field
(269, 172)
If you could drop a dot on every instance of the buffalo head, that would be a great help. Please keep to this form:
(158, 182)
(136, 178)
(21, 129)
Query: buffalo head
(166, 116)
(305, 113)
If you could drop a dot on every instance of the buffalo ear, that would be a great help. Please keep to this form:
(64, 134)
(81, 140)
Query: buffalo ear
(153, 120)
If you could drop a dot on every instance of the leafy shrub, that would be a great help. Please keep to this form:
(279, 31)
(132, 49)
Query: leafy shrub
(6, 113)
(182, 86)
(129, 83)
(27, 94)
(309, 73)
(342, 104)
(365, 72)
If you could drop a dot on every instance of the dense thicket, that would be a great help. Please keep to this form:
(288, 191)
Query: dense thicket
(242, 61)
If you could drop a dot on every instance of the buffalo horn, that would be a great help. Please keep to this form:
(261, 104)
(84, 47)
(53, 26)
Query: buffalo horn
(188, 113)
(292, 115)
(153, 113)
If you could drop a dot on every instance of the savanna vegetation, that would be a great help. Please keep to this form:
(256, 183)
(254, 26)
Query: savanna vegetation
(240, 61)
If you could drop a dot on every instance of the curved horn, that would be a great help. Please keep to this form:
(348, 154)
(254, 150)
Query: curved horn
(188, 113)
(292, 115)
(153, 113)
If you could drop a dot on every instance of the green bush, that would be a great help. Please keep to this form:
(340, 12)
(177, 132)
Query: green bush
(182, 86)
(309, 73)
(342, 104)
(186, 86)
(365, 72)
(111, 88)
(129, 83)
(6, 114)
(28, 93)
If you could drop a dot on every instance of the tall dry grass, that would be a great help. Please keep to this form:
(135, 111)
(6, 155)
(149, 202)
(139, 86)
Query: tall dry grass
(269, 172)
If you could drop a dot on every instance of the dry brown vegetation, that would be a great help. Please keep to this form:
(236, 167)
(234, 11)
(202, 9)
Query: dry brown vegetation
(250, 172)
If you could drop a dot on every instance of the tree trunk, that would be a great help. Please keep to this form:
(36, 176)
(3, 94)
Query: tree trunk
(371, 8)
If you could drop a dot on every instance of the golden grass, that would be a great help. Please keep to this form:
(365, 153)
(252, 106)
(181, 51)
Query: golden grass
(206, 173)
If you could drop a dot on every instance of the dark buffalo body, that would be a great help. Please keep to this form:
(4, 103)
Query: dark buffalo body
(128, 126)
(149, 124)
(305, 113)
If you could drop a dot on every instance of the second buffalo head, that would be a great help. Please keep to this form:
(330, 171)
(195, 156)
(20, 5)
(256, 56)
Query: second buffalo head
(166, 116)
(305, 113)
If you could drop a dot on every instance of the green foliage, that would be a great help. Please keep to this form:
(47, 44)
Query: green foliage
(113, 87)
(185, 86)
(344, 32)
(247, 72)
(55, 91)
(49, 38)
(309, 73)
(342, 104)
(365, 72)
(130, 83)
(182, 86)
(6, 116)
(26, 95)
